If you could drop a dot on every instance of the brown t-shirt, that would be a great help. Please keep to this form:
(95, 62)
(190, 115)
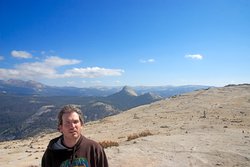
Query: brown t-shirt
(86, 152)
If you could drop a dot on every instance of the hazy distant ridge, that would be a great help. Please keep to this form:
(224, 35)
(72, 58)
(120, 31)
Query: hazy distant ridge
(23, 116)
(20, 87)
(29, 107)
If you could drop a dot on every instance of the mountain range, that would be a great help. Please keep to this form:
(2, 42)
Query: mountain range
(27, 88)
(209, 127)
(29, 107)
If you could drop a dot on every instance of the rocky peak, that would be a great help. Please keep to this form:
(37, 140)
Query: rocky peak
(128, 91)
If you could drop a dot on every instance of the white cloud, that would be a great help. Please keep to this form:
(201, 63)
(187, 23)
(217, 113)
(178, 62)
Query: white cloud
(71, 82)
(148, 61)
(8, 73)
(55, 61)
(96, 82)
(195, 56)
(151, 60)
(1, 58)
(48, 69)
(21, 54)
(117, 82)
(92, 72)
(36, 70)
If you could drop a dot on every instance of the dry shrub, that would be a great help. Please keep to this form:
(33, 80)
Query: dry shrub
(141, 134)
(106, 144)
(132, 137)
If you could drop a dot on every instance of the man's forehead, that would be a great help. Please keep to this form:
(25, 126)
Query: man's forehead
(71, 115)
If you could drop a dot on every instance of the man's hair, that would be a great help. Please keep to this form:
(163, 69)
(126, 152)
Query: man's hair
(69, 109)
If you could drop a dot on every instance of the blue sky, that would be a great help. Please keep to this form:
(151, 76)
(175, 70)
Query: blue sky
(87, 43)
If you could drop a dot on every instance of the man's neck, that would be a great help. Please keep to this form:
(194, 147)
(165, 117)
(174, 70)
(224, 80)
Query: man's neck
(70, 142)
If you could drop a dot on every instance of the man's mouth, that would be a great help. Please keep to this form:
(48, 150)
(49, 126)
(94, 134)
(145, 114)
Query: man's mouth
(73, 131)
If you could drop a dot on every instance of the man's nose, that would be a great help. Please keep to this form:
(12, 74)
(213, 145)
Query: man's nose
(73, 124)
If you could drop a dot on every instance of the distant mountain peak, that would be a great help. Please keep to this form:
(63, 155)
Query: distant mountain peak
(128, 91)
(21, 83)
(152, 95)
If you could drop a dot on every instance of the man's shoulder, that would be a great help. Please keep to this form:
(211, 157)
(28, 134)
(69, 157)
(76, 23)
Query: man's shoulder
(89, 142)
(53, 141)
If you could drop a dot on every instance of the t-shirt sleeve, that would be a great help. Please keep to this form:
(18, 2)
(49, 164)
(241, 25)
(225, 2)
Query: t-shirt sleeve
(102, 158)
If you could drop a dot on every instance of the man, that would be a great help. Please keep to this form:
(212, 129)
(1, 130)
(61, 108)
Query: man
(72, 149)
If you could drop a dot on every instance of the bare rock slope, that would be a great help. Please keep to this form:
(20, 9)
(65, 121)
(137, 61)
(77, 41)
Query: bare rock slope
(204, 128)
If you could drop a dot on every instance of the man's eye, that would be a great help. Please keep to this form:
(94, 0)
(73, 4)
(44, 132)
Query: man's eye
(76, 122)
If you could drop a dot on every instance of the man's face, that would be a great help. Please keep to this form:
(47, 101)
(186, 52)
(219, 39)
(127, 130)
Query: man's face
(71, 125)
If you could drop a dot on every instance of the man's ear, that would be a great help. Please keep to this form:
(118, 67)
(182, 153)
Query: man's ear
(60, 128)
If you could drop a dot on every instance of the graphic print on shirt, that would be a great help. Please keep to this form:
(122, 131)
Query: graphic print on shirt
(78, 162)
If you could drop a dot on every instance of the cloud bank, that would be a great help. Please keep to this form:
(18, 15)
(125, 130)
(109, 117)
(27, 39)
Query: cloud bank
(49, 68)
(92, 72)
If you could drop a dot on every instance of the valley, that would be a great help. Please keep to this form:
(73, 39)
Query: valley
(203, 128)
